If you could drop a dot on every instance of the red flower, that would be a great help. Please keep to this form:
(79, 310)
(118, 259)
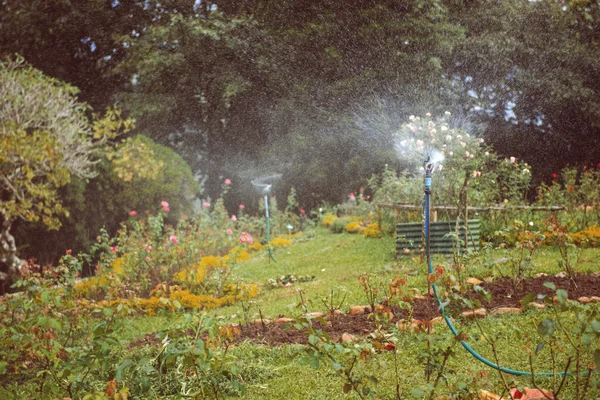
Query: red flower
(390, 346)
(113, 249)
(570, 188)
(302, 211)
(555, 176)
(598, 165)
(132, 213)
(69, 251)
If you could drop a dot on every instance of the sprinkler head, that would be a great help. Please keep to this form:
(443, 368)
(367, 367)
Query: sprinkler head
(428, 166)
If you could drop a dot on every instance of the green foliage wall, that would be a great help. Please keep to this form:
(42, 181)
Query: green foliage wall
(106, 200)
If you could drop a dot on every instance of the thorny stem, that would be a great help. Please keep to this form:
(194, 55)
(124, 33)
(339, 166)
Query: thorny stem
(587, 383)
(441, 370)
(396, 375)
(533, 379)
(564, 378)
(495, 353)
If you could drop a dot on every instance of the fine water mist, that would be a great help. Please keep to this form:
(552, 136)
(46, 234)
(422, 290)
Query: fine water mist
(264, 183)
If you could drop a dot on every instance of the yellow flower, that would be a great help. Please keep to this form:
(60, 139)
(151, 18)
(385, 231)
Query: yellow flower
(280, 242)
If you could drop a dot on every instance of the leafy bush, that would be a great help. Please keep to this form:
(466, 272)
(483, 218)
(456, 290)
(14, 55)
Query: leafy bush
(372, 231)
(339, 225)
(328, 220)
(354, 227)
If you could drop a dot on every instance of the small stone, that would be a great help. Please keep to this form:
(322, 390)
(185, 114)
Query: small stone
(541, 275)
(335, 312)
(561, 274)
(474, 281)
(485, 395)
(531, 394)
(261, 321)
(479, 313)
(316, 314)
(505, 310)
(586, 300)
(356, 310)
(539, 306)
(420, 297)
(346, 337)
(283, 320)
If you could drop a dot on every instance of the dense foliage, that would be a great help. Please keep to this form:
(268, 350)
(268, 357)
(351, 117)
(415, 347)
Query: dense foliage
(296, 87)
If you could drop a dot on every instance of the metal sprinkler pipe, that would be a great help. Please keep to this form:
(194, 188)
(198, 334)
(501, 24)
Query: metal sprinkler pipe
(429, 167)
(268, 231)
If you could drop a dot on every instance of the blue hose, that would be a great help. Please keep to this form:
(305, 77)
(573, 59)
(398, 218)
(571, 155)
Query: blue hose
(428, 171)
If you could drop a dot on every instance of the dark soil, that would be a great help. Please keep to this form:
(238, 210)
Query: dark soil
(503, 294)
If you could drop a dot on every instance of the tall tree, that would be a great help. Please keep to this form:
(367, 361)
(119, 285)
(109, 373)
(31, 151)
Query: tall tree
(532, 69)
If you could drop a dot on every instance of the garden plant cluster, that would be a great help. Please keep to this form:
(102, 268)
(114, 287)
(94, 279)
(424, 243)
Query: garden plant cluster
(203, 281)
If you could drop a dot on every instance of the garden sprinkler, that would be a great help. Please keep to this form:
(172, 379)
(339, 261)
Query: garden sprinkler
(266, 188)
(429, 167)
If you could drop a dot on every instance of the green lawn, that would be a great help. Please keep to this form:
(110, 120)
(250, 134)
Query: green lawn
(336, 260)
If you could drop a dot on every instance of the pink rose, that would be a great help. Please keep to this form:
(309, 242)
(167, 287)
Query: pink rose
(302, 211)
(233, 218)
(113, 249)
(229, 232)
(132, 213)
(246, 238)
(406, 251)
(68, 251)
(288, 284)
(227, 182)
(165, 206)
(512, 160)
(147, 258)
(206, 204)
(352, 196)
(242, 207)
(173, 239)
(148, 248)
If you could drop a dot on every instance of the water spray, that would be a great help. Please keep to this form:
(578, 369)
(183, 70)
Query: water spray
(429, 167)
(265, 189)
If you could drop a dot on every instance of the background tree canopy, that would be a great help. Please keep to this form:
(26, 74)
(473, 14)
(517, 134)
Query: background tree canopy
(314, 90)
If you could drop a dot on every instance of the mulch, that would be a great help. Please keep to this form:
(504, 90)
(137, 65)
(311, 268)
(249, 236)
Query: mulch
(503, 294)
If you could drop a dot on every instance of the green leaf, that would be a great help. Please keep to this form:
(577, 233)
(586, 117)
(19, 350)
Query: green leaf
(3, 365)
(546, 327)
(46, 297)
(312, 339)
(314, 362)
(550, 285)
(539, 347)
(595, 325)
(417, 392)
(108, 312)
(525, 301)
(561, 296)
(586, 339)
(122, 367)
(336, 366)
